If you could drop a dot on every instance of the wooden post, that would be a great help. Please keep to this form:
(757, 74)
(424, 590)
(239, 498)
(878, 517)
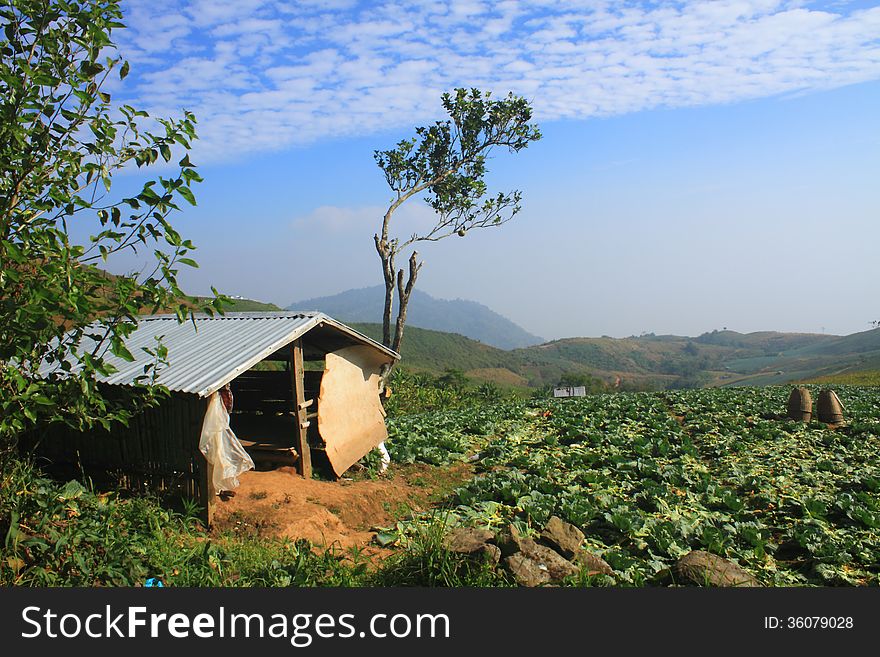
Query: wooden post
(212, 494)
(206, 488)
(203, 477)
(299, 409)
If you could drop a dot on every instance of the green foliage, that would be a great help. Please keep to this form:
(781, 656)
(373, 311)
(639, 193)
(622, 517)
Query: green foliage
(418, 392)
(61, 142)
(866, 378)
(446, 163)
(443, 437)
(650, 477)
(585, 379)
(647, 476)
(66, 535)
(435, 351)
(244, 305)
(448, 159)
(453, 378)
(424, 561)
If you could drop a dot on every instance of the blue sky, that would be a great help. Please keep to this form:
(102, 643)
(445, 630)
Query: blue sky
(704, 164)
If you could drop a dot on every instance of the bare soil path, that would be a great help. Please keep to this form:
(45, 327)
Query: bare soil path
(334, 514)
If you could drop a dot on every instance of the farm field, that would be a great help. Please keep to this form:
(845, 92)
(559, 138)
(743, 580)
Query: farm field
(649, 477)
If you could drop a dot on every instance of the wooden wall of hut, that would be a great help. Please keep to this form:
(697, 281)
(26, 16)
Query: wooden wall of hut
(158, 451)
(263, 408)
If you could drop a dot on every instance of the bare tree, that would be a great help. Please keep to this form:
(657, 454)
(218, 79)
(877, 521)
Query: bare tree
(446, 162)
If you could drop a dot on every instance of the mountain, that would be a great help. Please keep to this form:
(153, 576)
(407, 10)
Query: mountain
(718, 358)
(467, 318)
(649, 361)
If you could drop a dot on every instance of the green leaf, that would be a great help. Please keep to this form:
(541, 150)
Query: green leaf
(186, 193)
(72, 490)
(384, 539)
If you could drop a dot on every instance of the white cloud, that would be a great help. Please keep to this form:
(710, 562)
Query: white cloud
(335, 219)
(365, 220)
(265, 75)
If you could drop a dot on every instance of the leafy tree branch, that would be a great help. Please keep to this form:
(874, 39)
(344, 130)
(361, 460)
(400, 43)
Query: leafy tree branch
(446, 164)
(61, 142)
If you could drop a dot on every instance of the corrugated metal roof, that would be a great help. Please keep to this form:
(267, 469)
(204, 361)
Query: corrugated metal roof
(204, 357)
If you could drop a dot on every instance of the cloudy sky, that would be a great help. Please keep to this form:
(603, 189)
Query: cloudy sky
(704, 164)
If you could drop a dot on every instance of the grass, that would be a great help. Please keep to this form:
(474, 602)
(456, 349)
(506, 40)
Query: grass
(865, 378)
(66, 535)
(424, 562)
(63, 534)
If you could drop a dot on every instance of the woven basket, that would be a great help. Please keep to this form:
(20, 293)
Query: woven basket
(800, 405)
(829, 408)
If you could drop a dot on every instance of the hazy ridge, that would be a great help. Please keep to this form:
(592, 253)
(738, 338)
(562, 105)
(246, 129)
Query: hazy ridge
(467, 318)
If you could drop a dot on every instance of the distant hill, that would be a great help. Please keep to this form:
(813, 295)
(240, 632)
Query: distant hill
(246, 306)
(467, 318)
(857, 378)
(249, 305)
(718, 358)
(435, 351)
(648, 361)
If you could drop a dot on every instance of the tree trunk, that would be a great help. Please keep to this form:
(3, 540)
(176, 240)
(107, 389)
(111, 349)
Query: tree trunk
(386, 254)
(403, 294)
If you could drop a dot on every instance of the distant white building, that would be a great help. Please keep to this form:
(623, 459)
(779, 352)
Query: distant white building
(570, 391)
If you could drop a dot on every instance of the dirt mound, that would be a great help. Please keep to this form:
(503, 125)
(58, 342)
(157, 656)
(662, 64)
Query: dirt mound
(332, 514)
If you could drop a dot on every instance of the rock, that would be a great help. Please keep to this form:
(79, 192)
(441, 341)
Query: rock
(529, 562)
(594, 565)
(473, 543)
(707, 569)
(465, 540)
(563, 537)
(525, 571)
(491, 553)
(557, 566)
(510, 541)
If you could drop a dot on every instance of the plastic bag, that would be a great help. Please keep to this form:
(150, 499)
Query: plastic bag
(385, 457)
(221, 447)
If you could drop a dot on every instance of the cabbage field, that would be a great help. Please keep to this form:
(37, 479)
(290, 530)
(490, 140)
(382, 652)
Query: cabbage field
(649, 477)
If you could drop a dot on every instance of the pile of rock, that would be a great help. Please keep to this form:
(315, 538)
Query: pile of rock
(559, 552)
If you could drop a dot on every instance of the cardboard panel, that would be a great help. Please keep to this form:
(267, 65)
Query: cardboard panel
(351, 419)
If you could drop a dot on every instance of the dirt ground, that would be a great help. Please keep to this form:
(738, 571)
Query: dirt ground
(333, 514)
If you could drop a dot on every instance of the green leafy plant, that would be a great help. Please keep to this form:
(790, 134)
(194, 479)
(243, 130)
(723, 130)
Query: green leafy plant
(445, 164)
(61, 142)
(651, 476)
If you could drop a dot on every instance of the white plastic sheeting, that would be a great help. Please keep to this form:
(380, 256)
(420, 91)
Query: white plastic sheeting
(386, 457)
(222, 448)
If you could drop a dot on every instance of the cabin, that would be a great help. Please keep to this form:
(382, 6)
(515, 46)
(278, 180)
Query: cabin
(304, 390)
(570, 391)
